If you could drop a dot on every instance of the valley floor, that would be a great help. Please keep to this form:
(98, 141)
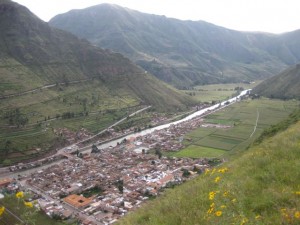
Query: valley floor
(121, 178)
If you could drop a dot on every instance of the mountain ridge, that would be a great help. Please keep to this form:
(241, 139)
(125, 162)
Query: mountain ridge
(182, 53)
(41, 55)
(284, 85)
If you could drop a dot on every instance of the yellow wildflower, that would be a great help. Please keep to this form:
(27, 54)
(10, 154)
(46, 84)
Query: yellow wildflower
(223, 206)
(28, 204)
(218, 213)
(297, 192)
(20, 194)
(206, 171)
(211, 195)
(297, 214)
(225, 194)
(213, 171)
(212, 205)
(283, 210)
(210, 210)
(217, 179)
(2, 209)
(223, 170)
(244, 221)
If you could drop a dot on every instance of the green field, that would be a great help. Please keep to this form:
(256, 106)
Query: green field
(242, 116)
(217, 92)
(195, 151)
(45, 109)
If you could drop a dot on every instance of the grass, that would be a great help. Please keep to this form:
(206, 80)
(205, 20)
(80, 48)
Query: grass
(217, 92)
(258, 186)
(44, 109)
(28, 215)
(242, 117)
(194, 151)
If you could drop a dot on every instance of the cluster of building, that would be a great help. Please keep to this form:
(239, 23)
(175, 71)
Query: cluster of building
(102, 187)
(26, 166)
(71, 136)
(171, 138)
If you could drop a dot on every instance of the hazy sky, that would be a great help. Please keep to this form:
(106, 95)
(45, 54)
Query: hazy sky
(275, 16)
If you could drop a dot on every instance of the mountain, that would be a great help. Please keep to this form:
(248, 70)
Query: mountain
(283, 86)
(56, 89)
(182, 53)
(33, 54)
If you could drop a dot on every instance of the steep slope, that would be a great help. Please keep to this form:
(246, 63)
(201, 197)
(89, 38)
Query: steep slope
(253, 188)
(182, 53)
(34, 54)
(284, 85)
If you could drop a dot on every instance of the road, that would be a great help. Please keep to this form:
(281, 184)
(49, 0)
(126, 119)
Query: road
(57, 202)
(41, 88)
(4, 172)
(101, 132)
(114, 141)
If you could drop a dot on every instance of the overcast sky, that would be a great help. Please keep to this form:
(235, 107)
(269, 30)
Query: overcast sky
(275, 16)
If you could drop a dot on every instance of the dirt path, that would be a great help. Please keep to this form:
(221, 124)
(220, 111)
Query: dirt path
(257, 118)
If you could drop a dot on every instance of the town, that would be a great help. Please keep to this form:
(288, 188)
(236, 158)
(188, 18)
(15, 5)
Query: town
(102, 185)
(98, 185)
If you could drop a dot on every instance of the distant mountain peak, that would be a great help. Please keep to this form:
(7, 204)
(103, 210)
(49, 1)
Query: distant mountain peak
(39, 54)
(183, 53)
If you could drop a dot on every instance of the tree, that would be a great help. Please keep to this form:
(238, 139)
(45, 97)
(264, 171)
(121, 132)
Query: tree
(7, 146)
(120, 185)
(95, 149)
(158, 153)
(186, 173)
(6, 162)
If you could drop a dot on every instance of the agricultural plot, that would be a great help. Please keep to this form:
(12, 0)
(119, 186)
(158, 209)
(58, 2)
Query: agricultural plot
(195, 151)
(216, 143)
(217, 92)
(28, 122)
(242, 117)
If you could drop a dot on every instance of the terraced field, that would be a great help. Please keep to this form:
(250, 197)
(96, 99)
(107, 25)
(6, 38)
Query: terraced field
(242, 117)
(72, 107)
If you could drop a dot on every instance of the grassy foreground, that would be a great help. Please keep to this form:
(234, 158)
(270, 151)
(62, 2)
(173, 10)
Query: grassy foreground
(260, 186)
(16, 211)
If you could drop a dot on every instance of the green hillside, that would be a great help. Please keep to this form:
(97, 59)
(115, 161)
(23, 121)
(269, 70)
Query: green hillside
(283, 86)
(182, 53)
(51, 79)
(257, 186)
(34, 54)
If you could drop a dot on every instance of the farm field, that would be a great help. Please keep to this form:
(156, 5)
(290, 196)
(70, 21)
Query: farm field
(59, 107)
(217, 92)
(242, 117)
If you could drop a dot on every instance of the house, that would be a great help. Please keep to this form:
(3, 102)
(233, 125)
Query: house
(78, 201)
(5, 181)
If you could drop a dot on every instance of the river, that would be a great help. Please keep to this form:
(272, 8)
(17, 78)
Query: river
(160, 127)
(141, 133)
